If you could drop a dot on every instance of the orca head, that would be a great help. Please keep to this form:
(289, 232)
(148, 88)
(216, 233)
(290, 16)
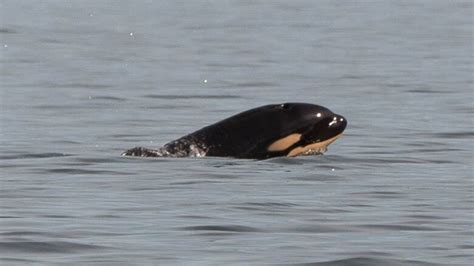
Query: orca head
(305, 129)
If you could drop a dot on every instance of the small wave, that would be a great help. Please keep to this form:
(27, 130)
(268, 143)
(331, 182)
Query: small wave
(119, 136)
(54, 216)
(320, 177)
(232, 65)
(380, 194)
(427, 217)
(97, 160)
(398, 227)
(367, 261)
(255, 84)
(454, 135)
(74, 171)
(21, 233)
(273, 207)
(429, 150)
(285, 161)
(318, 229)
(53, 107)
(444, 135)
(184, 183)
(467, 246)
(45, 247)
(33, 156)
(168, 107)
(352, 77)
(271, 204)
(67, 85)
(406, 160)
(49, 40)
(82, 85)
(427, 91)
(17, 260)
(16, 236)
(194, 217)
(108, 98)
(223, 228)
(185, 97)
(7, 30)
(60, 141)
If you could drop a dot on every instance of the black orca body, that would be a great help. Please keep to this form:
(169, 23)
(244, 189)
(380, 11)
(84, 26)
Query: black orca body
(288, 129)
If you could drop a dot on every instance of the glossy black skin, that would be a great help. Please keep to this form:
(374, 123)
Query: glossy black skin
(248, 134)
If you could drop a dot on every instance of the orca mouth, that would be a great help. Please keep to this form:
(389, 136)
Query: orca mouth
(316, 148)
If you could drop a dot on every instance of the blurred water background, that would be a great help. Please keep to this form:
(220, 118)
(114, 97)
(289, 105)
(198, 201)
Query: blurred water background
(81, 81)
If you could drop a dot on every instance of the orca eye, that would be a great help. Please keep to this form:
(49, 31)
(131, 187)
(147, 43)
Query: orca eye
(285, 106)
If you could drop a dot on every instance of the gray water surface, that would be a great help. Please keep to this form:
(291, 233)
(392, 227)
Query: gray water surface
(82, 81)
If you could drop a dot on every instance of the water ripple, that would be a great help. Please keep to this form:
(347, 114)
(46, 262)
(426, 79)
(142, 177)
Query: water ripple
(454, 135)
(271, 204)
(318, 229)
(223, 228)
(33, 156)
(108, 98)
(255, 84)
(190, 96)
(368, 261)
(46, 247)
(428, 91)
(78, 171)
(380, 194)
(7, 30)
(398, 227)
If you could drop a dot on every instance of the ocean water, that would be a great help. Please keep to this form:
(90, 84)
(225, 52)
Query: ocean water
(82, 81)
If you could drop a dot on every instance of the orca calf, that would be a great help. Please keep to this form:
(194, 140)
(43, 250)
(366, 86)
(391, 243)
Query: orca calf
(288, 129)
